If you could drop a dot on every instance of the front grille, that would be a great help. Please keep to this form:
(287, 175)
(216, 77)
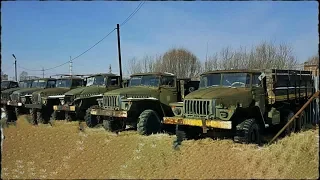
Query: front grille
(15, 97)
(197, 107)
(35, 98)
(111, 101)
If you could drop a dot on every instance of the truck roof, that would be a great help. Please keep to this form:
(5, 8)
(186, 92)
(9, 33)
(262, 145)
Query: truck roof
(69, 78)
(254, 71)
(153, 73)
(102, 74)
(8, 81)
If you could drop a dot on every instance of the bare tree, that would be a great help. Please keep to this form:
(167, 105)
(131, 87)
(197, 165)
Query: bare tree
(314, 60)
(264, 55)
(181, 62)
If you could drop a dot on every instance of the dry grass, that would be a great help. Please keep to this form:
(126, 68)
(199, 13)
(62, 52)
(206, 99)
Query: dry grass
(64, 152)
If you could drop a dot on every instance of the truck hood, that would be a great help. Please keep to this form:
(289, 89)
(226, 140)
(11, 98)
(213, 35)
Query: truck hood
(52, 91)
(9, 91)
(138, 91)
(92, 90)
(223, 95)
(27, 90)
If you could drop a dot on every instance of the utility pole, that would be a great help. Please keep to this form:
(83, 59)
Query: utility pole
(70, 66)
(42, 72)
(15, 67)
(119, 54)
(110, 70)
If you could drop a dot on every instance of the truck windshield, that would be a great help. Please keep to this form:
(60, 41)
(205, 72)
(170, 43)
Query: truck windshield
(225, 79)
(5, 84)
(63, 83)
(25, 84)
(39, 83)
(144, 81)
(96, 80)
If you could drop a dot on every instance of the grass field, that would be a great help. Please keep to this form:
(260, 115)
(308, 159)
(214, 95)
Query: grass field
(62, 151)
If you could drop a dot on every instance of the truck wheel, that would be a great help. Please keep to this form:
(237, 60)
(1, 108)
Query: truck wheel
(148, 122)
(40, 117)
(292, 126)
(11, 116)
(248, 132)
(301, 122)
(33, 114)
(18, 111)
(91, 120)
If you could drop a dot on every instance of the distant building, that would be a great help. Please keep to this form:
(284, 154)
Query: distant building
(4, 77)
(312, 67)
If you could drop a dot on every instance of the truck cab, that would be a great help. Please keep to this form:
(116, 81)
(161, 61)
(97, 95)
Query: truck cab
(143, 103)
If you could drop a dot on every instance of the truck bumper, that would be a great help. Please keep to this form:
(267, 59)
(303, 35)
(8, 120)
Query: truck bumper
(64, 108)
(14, 103)
(33, 106)
(198, 122)
(110, 113)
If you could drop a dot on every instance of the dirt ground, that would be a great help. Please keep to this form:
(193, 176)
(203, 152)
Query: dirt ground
(62, 151)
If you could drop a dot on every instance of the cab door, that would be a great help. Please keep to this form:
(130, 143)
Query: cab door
(168, 90)
(258, 92)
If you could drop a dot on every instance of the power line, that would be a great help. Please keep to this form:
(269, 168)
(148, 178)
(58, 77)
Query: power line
(123, 23)
(133, 13)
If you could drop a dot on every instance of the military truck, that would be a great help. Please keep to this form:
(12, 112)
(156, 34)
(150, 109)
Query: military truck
(75, 102)
(8, 85)
(43, 100)
(19, 98)
(242, 104)
(142, 104)
(5, 94)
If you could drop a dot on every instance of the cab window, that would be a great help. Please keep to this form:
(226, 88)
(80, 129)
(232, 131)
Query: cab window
(51, 84)
(14, 84)
(255, 81)
(168, 81)
(114, 81)
(77, 82)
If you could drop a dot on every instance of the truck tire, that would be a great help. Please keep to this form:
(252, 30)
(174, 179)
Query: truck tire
(33, 119)
(18, 111)
(301, 121)
(248, 132)
(148, 122)
(112, 125)
(291, 128)
(11, 116)
(91, 120)
(40, 117)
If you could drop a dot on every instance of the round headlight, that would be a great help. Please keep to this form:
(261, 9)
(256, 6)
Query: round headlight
(44, 101)
(126, 106)
(23, 100)
(177, 111)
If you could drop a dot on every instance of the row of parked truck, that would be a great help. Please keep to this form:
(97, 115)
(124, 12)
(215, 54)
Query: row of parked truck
(239, 103)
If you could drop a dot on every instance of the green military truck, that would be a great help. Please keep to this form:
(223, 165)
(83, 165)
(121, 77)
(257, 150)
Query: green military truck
(243, 103)
(75, 102)
(43, 100)
(19, 98)
(5, 95)
(8, 85)
(142, 104)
